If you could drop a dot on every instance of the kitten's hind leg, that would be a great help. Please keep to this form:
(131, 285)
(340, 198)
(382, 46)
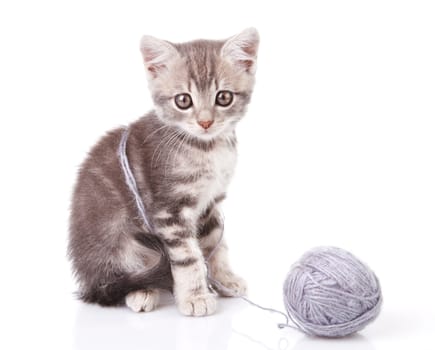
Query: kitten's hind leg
(143, 300)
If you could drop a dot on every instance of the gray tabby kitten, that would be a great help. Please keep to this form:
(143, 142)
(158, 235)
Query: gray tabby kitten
(182, 156)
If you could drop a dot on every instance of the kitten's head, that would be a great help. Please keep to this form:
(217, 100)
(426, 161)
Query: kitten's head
(203, 86)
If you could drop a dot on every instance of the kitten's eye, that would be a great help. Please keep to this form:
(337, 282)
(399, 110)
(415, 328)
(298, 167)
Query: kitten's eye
(224, 98)
(183, 101)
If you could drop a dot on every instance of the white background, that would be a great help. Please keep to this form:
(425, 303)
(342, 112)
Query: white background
(337, 149)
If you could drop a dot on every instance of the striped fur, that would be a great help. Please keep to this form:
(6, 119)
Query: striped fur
(182, 171)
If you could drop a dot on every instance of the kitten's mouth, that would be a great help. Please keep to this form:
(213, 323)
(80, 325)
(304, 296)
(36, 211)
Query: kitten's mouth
(213, 132)
(206, 134)
(203, 134)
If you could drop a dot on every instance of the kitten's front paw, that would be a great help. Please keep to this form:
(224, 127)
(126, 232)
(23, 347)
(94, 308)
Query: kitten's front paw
(231, 285)
(142, 300)
(198, 305)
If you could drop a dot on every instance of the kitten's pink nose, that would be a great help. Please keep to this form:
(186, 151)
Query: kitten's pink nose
(205, 123)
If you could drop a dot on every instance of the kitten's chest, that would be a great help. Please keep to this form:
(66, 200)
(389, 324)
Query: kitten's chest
(219, 169)
(216, 168)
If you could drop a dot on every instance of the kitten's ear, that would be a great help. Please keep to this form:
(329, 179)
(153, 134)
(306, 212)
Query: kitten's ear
(157, 54)
(242, 49)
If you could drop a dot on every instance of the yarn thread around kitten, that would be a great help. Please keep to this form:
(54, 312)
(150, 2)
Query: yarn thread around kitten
(327, 293)
(130, 180)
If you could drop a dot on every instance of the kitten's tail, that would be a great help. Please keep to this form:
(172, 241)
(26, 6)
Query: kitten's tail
(119, 284)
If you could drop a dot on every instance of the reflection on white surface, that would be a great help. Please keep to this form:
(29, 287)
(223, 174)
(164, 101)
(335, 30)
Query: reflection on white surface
(280, 344)
(236, 325)
(165, 328)
(355, 342)
(294, 341)
(308, 343)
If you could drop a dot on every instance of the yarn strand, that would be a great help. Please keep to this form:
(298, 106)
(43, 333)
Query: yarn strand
(130, 180)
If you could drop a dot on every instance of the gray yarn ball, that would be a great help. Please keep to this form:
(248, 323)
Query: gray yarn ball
(331, 293)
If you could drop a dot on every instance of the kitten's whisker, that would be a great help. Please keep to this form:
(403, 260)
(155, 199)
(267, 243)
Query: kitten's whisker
(182, 142)
(155, 131)
(162, 142)
(175, 154)
(170, 146)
